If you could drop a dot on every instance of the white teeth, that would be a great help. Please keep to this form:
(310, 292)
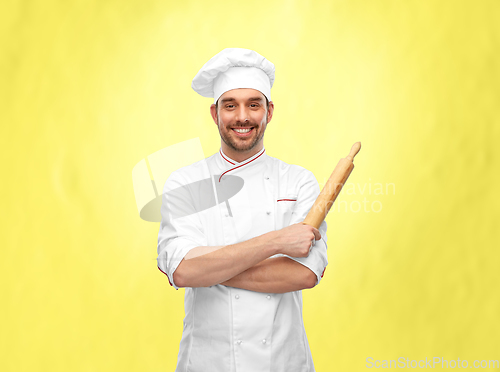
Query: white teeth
(242, 130)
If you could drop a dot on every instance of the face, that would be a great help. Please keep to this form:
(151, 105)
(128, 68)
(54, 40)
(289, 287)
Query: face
(242, 117)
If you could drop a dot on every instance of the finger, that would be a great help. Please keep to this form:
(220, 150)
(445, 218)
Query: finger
(317, 235)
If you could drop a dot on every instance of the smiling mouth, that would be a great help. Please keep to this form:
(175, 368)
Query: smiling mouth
(242, 132)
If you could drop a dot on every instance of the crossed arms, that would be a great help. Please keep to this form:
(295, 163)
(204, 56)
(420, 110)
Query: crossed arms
(247, 264)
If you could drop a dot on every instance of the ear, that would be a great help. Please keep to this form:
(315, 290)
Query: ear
(270, 111)
(213, 112)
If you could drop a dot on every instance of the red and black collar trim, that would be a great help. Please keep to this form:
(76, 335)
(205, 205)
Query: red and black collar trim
(255, 157)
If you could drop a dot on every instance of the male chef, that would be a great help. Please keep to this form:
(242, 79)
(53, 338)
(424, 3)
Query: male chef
(231, 233)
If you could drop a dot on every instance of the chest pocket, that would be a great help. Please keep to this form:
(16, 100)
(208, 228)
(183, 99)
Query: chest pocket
(285, 207)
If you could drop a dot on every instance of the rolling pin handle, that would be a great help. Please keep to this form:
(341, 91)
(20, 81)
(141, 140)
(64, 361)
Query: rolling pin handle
(354, 150)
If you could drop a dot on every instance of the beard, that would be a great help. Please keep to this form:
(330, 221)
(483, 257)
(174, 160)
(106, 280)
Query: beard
(238, 144)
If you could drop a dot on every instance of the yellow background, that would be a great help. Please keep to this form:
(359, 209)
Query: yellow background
(89, 88)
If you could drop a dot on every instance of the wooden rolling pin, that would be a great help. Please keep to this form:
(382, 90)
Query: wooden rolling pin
(327, 196)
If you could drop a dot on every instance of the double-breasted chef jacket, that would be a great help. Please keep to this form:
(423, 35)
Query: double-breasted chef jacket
(232, 329)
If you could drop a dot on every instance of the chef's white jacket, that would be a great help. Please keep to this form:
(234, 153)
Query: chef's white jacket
(225, 328)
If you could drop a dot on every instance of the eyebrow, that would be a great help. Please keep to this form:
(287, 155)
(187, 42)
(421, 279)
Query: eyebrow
(231, 99)
(224, 100)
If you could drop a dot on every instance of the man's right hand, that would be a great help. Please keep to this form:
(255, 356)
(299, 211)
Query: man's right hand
(295, 240)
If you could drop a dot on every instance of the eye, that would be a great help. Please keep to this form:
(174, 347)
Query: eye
(254, 105)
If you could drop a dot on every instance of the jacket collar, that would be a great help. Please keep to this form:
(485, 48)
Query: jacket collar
(227, 162)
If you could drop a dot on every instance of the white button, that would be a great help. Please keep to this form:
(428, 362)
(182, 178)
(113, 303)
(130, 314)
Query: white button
(268, 212)
(268, 297)
(237, 296)
(264, 341)
(238, 342)
(227, 215)
(267, 178)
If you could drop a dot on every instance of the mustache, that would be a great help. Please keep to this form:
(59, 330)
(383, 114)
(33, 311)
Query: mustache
(239, 124)
(243, 125)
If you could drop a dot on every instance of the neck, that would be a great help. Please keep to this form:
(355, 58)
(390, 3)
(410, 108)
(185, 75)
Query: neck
(240, 156)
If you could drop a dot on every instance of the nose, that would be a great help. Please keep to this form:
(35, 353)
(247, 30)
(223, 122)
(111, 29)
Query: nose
(242, 114)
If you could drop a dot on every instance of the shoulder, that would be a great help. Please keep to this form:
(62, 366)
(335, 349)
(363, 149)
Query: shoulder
(292, 171)
(190, 173)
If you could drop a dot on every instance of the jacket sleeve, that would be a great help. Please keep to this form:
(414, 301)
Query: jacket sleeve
(317, 259)
(181, 228)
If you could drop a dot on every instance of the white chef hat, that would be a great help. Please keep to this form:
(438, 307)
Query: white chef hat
(234, 68)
